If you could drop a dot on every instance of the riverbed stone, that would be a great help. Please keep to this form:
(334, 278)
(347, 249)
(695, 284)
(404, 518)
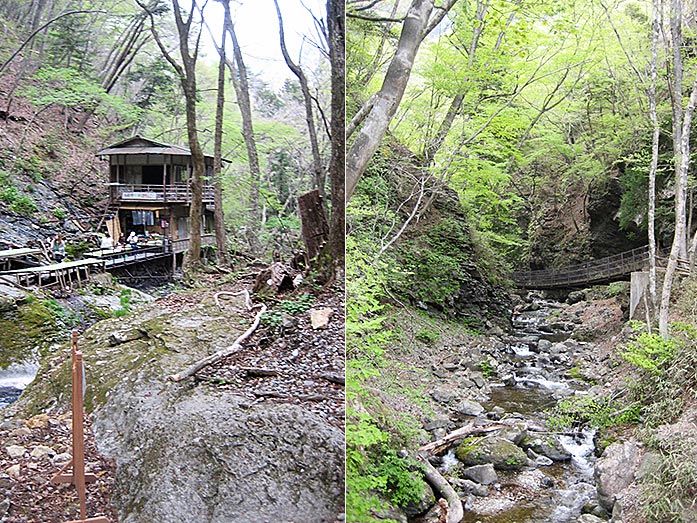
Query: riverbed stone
(590, 518)
(439, 422)
(548, 447)
(15, 451)
(478, 379)
(544, 345)
(444, 394)
(482, 474)
(615, 470)
(500, 452)
(541, 461)
(40, 451)
(469, 408)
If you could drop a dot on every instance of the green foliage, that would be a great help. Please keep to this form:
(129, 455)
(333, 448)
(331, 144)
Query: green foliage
(59, 213)
(373, 467)
(485, 367)
(433, 262)
(65, 318)
(427, 336)
(30, 166)
(75, 250)
(272, 319)
(669, 491)
(18, 203)
(68, 87)
(125, 301)
(650, 352)
(601, 413)
(301, 304)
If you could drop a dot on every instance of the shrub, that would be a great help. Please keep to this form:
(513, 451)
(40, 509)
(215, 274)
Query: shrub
(650, 352)
(601, 413)
(427, 336)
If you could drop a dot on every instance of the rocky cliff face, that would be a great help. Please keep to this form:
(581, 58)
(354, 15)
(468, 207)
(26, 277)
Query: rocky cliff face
(189, 452)
(443, 268)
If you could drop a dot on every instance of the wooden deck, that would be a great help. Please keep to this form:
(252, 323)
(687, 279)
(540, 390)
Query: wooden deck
(8, 255)
(64, 274)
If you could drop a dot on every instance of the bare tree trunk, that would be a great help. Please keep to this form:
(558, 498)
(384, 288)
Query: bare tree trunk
(415, 28)
(654, 156)
(314, 224)
(241, 84)
(220, 236)
(318, 171)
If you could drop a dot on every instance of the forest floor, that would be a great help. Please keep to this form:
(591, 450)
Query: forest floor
(286, 360)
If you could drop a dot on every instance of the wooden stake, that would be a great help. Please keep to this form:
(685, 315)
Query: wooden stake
(78, 476)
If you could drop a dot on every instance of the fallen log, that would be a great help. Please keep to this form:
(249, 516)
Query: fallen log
(468, 430)
(259, 371)
(454, 510)
(223, 353)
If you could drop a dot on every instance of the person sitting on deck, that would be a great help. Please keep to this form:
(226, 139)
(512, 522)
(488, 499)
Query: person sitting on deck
(133, 240)
(58, 248)
(107, 242)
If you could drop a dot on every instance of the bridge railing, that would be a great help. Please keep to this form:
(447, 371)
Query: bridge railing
(585, 273)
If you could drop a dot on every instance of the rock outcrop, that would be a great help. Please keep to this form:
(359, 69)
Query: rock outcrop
(190, 452)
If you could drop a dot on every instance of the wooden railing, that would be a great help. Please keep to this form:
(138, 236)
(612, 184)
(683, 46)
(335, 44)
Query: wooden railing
(596, 271)
(180, 192)
(207, 240)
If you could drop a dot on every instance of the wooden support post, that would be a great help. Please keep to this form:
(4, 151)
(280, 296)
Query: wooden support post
(78, 476)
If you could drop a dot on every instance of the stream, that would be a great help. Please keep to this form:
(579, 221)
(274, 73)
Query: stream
(14, 379)
(532, 375)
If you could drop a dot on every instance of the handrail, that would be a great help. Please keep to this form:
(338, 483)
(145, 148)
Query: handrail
(603, 269)
(176, 192)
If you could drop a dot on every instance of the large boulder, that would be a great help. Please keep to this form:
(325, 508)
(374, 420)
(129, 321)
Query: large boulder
(501, 453)
(615, 470)
(216, 458)
(549, 447)
(188, 451)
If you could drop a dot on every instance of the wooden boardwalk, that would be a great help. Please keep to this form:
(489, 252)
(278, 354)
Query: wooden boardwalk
(64, 273)
(604, 270)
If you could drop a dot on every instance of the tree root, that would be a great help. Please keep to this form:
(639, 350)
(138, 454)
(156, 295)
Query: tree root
(223, 353)
(247, 298)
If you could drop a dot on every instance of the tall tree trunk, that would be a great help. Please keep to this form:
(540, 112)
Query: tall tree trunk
(417, 24)
(654, 155)
(435, 144)
(187, 76)
(317, 170)
(680, 204)
(241, 84)
(337, 58)
(220, 236)
(677, 95)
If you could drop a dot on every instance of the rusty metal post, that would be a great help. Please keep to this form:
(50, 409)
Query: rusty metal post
(78, 476)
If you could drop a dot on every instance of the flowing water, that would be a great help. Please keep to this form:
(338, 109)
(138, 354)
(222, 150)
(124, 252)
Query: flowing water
(537, 380)
(14, 379)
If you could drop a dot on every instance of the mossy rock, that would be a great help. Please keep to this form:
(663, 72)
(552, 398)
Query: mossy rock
(500, 452)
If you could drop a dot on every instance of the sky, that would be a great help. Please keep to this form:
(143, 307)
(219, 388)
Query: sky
(256, 25)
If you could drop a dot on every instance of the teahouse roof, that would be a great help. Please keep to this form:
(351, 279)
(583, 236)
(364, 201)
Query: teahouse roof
(140, 145)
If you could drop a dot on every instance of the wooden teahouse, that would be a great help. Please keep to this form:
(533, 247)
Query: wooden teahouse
(149, 192)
